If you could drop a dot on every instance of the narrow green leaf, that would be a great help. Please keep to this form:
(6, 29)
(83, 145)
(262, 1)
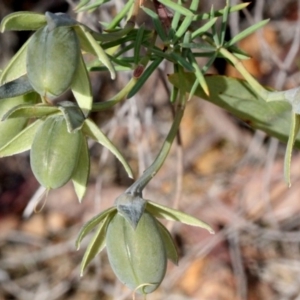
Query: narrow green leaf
(175, 22)
(170, 247)
(199, 75)
(10, 128)
(203, 29)
(138, 43)
(146, 74)
(157, 23)
(94, 132)
(174, 94)
(81, 4)
(177, 7)
(91, 224)
(30, 111)
(81, 88)
(246, 32)
(161, 211)
(224, 23)
(90, 45)
(214, 29)
(239, 53)
(91, 7)
(200, 46)
(17, 87)
(218, 13)
(186, 22)
(81, 174)
(185, 64)
(21, 142)
(16, 66)
(97, 243)
(175, 90)
(186, 39)
(22, 20)
(99, 37)
(73, 115)
(182, 29)
(120, 16)
(295, 126)
(116, 34)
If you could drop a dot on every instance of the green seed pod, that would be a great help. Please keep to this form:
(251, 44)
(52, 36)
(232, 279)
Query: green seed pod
(137, 256)
(52, 60)
(54, 152)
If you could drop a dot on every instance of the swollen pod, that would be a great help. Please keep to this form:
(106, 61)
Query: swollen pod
(52, 60)
(55, 152)
(137, 256)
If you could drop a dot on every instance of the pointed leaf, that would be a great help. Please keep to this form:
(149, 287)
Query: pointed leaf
(91, 7)
(180, 60)
(121, 14)
(81, 88)
(90, 44)
(171, 250)
(175, 21)
(21, 142)
(97, 243)
(236, 96)
(295, 126)
(246, 32)
(73, 115)
(30, 111)
(22, 20)
(81, 175)
(17, 87)
(199, 75)
(94, 132)
(203, 29)
(10, 128)
(16, 66)
(89, 226)
(187, 22)
(220, 12)
(176, 7)
(138, 43)
(161, 211)
(146, 74)
(157, 23)
(81, 4)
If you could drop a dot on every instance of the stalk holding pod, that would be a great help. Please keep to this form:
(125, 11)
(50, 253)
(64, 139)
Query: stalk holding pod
(54, 152)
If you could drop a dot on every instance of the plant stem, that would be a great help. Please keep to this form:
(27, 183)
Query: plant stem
(117, 98)
(137, 187)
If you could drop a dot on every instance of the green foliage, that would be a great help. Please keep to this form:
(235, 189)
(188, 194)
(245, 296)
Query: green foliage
(52, 62)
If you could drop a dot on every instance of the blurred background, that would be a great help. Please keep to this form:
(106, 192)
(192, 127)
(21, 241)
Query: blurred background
(222, 172)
